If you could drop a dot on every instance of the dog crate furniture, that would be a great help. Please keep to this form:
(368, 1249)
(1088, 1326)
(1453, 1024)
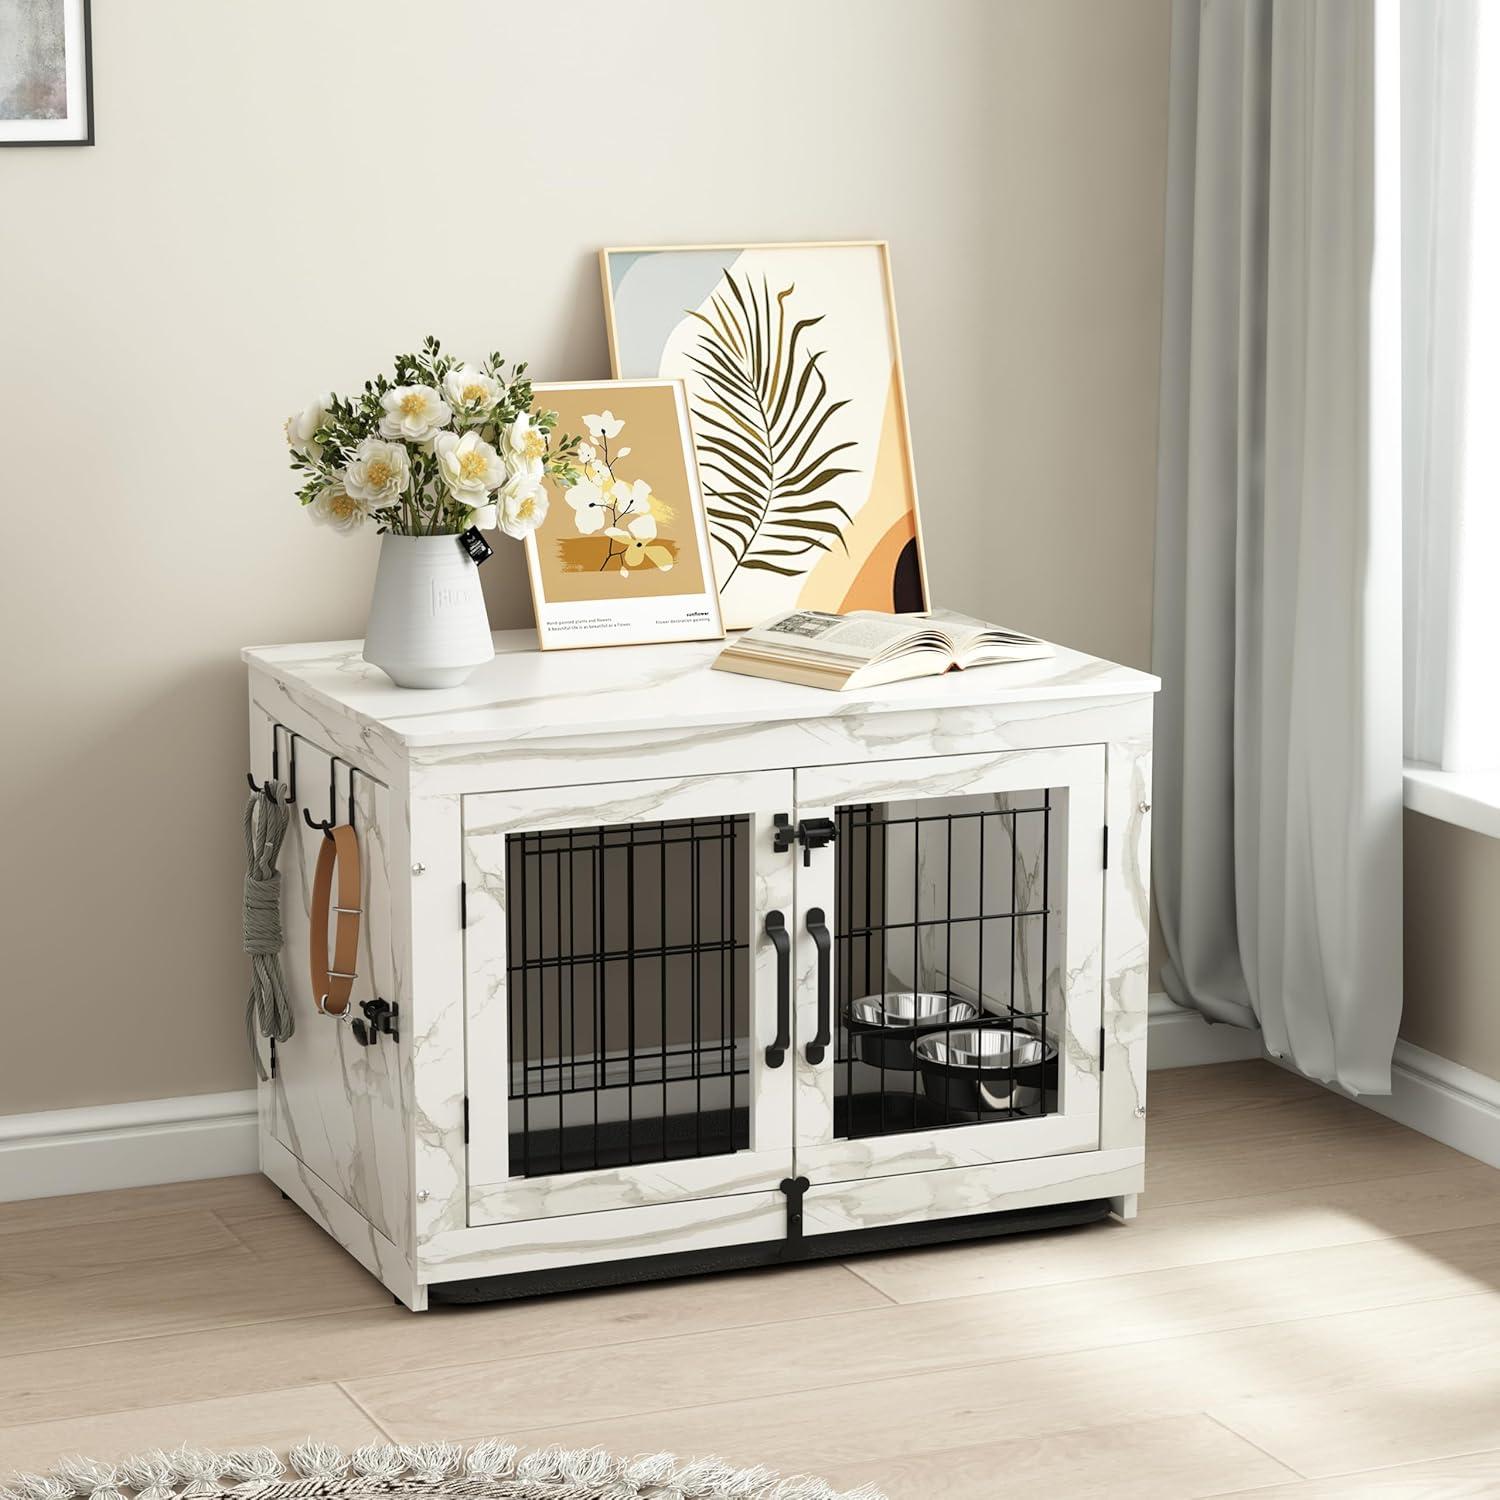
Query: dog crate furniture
(664, 969)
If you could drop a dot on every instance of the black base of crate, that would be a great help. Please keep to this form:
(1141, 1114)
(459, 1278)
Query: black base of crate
(770, 1253)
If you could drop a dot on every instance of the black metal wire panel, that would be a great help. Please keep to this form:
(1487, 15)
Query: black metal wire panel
(956, 905)
(628, 990)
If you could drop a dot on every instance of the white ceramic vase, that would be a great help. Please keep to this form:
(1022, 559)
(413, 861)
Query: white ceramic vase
(428, 627)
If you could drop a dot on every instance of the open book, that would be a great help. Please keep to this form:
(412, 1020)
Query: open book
(866, 647)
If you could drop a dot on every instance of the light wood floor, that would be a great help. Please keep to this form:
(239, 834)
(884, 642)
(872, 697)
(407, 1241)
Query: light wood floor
(1307, 1306)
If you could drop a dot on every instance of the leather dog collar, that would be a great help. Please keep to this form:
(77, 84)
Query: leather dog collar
(333, 985)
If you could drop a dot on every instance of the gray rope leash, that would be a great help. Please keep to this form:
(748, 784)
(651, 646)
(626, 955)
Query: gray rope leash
(267, 1010)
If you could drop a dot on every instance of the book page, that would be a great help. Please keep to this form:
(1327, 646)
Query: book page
(856, 637)
(961, 630)
(977, 642)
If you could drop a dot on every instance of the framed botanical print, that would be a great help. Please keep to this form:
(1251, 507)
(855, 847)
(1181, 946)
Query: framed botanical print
(46, 73)
(621, 556)
(793, 370)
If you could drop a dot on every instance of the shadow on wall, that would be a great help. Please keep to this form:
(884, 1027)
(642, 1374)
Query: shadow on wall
(507, 589)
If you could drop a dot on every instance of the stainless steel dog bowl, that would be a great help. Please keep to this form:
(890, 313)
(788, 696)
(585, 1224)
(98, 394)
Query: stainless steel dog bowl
(881, 1027)
(981, 1070)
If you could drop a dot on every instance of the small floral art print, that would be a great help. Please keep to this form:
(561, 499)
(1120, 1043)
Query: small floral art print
(617, 516)
(621, 554)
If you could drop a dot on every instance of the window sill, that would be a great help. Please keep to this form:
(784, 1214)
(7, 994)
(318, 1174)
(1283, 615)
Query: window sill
(1470, 799)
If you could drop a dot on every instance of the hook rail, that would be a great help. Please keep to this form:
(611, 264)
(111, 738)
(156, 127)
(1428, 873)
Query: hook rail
(268, 788)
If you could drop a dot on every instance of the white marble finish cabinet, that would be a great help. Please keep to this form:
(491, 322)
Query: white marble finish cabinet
(651, 931)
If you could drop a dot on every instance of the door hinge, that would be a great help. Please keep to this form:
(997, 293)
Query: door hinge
(272, 1040)
(466, 1119)
(463, 904)
(1106, 846)
(1101, 1049)
(811, 833)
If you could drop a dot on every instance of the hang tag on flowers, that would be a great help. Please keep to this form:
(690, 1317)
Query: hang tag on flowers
(474, 544)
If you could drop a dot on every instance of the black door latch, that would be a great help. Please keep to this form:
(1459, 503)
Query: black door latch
(811, 833)
(380, 1019)
(794, 1188)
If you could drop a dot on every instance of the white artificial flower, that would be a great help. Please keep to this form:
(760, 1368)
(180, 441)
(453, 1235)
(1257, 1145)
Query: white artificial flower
(641, 545)
(525, 446)
(589, 502)
(378, 472)
(336, 507)
(485, 517)
(523, 506)
(413, 412)
(470, 466)
(603, 424)
(586, 454)
(469, 390)
(302, 427)
(530, 469)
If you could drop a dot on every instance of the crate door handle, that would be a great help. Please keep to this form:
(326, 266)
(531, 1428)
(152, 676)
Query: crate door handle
(818, 930)
(782, 942)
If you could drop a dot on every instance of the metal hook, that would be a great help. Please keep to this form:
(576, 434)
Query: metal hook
(264, 787)
(326, 824)
(291, 748)
(353, 772)
(291, 755)
(268, 788)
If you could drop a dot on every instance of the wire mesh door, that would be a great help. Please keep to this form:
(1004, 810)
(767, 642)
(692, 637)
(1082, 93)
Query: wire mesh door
(618, 997)
(944, 977)
(629, 994)
(964, 900)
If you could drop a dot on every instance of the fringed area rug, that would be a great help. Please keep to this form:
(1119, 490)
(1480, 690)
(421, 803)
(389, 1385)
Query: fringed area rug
(430, 1471)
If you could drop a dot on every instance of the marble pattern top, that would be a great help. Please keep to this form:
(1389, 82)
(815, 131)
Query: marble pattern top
(525, 693)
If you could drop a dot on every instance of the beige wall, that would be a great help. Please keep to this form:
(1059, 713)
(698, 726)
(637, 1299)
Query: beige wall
(1452, 1003)
(285, 195)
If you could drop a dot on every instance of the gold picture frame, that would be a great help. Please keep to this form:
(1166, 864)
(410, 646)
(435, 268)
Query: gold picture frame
(832, 526)
(622, 557)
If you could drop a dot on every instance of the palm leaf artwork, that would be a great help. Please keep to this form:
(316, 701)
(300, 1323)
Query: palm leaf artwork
(761, 406)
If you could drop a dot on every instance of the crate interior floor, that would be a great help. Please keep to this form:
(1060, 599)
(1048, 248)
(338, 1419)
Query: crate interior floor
(1308, 1305)
(618, 1143)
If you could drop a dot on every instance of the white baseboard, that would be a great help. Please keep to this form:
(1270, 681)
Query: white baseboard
(1444, 1100)
(1437, 1098)
(1179, 1038)
(127, 1145)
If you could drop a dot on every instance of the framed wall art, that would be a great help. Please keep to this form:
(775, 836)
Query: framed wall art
(46, 73)
(621, 557)
(793, 370)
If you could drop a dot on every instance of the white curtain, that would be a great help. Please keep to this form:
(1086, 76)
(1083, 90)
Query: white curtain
(1450, 179)
(1278, 576)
